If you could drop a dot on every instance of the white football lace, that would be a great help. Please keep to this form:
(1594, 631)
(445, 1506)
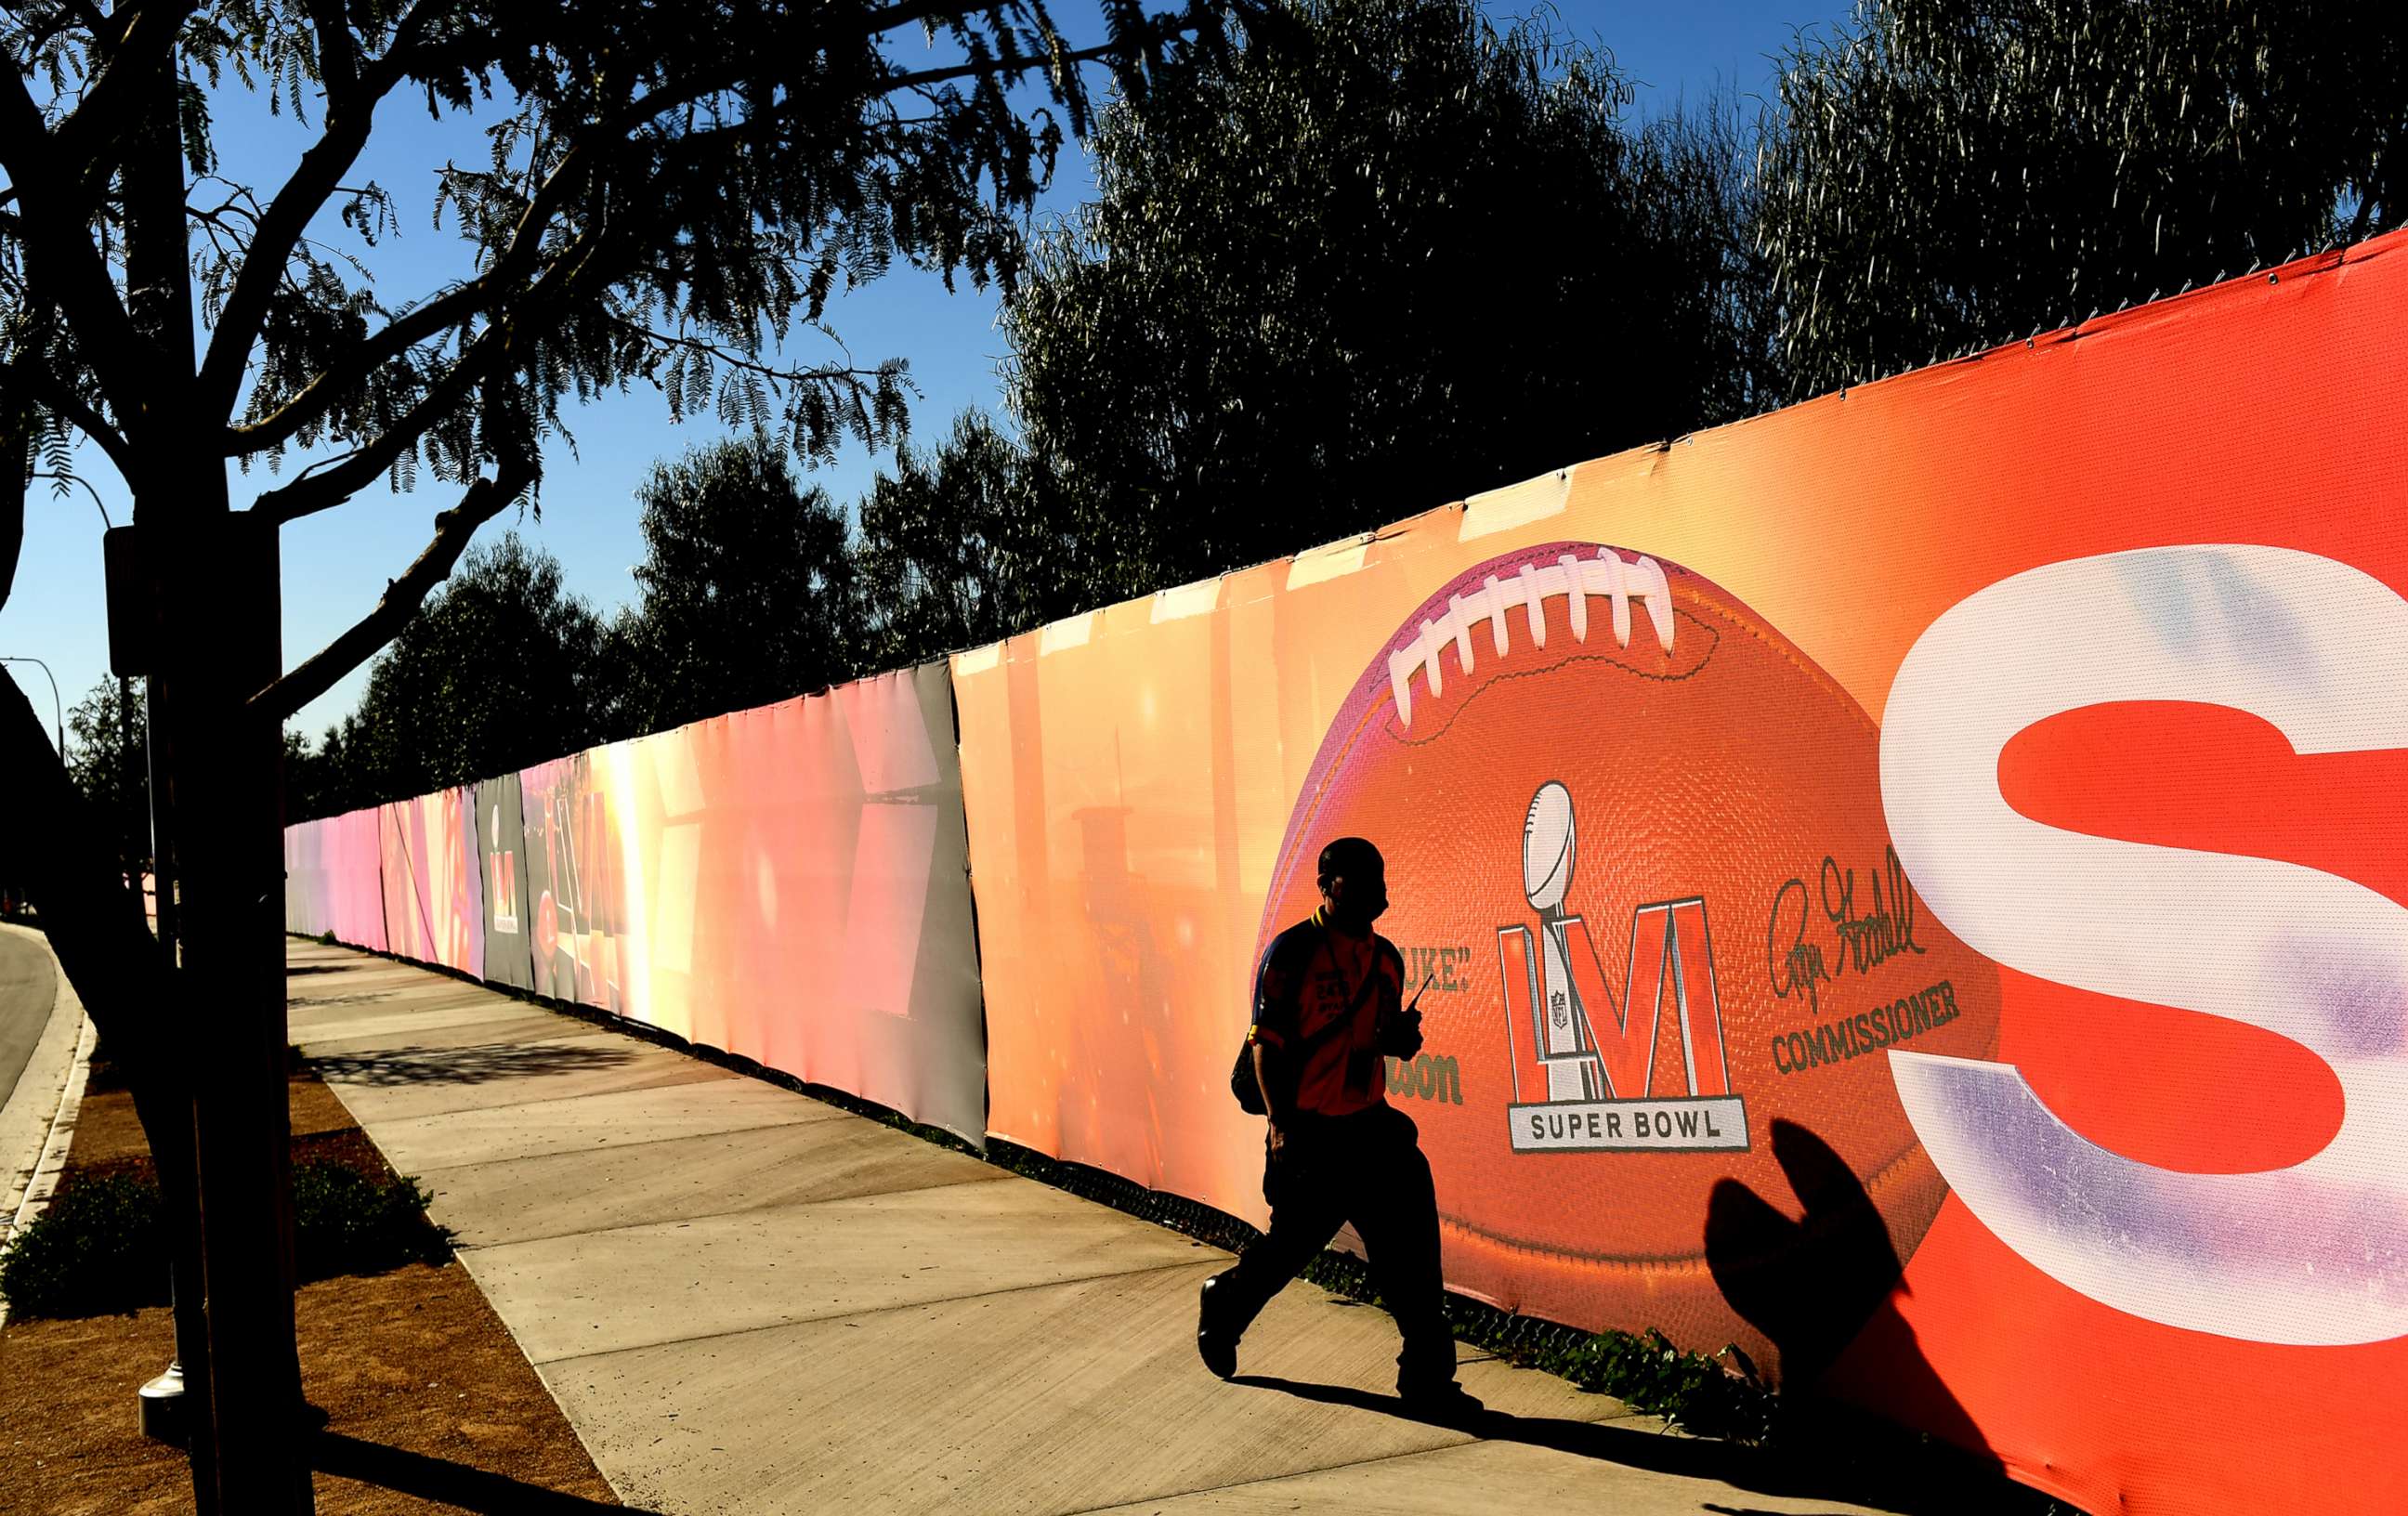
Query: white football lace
(1576, 579)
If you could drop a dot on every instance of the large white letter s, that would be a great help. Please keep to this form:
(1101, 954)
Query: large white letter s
(2315, 1253)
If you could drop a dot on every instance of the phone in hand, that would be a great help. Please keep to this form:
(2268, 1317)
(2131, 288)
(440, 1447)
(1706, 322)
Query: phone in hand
(1407, 1027)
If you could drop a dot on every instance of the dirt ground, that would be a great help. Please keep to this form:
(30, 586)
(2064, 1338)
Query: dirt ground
(432, 1407)
(109, 1135)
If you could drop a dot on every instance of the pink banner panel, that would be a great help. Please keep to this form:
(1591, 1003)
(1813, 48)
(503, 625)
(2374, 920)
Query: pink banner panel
(333, 879)
(788, 882)
(434, 898)
(353, 868)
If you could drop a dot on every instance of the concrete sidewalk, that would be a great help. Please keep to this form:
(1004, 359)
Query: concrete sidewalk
(41, 1075)
(749, 1301)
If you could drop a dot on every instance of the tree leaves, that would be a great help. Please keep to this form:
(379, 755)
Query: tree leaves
(106, 760)
(746, 588)
(961, 546)
(1379, 256)
(1944, 175)
(668, 188)
(497, 671)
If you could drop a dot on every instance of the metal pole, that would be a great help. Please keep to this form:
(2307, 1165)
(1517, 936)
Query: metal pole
(164, 1411)
(137, 782)
(162, 844)
(58, 711)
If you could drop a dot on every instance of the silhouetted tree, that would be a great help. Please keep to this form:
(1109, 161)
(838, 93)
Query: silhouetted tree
(747, 593)
(494, 672)
(1942, 175)
(672, 191)
(957, 548)
(108, 764)
(320, 779)
(1381, 256)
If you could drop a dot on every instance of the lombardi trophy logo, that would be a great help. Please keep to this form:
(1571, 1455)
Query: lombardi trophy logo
(1600, 1090)
(1546, 875)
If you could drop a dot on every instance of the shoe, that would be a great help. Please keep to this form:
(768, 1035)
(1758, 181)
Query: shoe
(1217, 1347)
(1445, 1401)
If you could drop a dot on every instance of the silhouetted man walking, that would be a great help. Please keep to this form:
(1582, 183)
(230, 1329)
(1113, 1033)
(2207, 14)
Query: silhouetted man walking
(1329, 1004)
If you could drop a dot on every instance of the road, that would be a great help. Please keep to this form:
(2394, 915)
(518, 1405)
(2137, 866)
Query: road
(27, 984)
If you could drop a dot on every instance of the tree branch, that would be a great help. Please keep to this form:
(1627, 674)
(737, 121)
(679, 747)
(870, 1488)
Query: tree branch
(91, 915)
(488, 289)
(1002, 65)
(65, 20)
(323, 491)
(404, 331)
(348, 117)
(887, 18)
(391, 341)
(735, 358)
(63, 258)
(87, 139)
(492, 287)
(89, 13)
(338, 51)
(46, 390)
(483, 501)
(314, 493)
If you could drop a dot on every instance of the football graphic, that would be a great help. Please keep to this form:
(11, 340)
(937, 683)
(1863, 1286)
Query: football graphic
(1639, 837)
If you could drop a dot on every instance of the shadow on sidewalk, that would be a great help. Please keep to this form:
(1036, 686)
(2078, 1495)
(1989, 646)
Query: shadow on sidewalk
(397, 995)
(469, 1066)
(1741, 1468)
(452, 1484)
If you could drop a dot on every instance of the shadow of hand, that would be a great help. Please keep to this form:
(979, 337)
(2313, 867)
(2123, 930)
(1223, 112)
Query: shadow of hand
(1809, 1284)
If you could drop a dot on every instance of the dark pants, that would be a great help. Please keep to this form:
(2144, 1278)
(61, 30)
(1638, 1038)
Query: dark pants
(1366, 1168)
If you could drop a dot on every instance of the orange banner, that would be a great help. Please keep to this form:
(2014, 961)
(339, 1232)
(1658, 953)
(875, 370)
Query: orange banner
(1909, 884)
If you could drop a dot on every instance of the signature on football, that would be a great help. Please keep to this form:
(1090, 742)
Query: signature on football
(1860, 942)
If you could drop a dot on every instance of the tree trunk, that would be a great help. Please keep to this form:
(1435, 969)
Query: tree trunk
(94, 925)
(212, 601)
(221, 800)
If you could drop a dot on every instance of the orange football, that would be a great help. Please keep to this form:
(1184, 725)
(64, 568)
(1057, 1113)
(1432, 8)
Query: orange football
(1635, 843)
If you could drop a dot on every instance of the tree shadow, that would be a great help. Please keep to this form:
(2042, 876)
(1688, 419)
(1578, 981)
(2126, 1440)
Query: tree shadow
(480, 1064)
(1757, 1472)
(401, 996)
(449, 1484)
(354, 999)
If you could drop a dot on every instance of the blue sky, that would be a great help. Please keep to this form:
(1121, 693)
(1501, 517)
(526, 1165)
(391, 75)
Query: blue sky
(335, 565)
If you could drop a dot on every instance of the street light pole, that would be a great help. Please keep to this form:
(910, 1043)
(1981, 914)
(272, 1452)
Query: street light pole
(160, 1401)
(143, 838)
(58, 711)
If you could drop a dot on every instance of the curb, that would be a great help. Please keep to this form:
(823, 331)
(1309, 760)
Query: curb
(28, 1204)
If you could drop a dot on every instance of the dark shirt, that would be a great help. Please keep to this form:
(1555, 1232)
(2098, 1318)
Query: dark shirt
(1309, 977)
